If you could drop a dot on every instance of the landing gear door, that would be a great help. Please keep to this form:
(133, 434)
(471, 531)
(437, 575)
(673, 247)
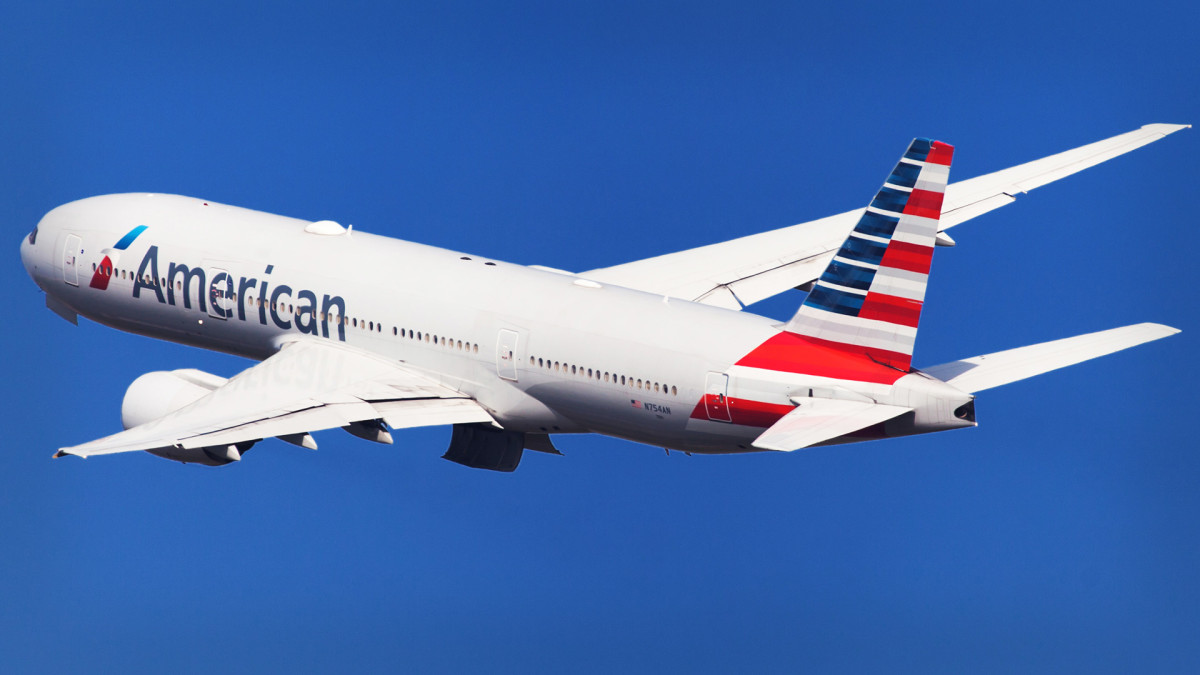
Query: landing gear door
(506, 355)
(71, 250)
(716, 397)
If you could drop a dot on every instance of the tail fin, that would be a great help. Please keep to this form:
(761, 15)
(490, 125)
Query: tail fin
(869, 298)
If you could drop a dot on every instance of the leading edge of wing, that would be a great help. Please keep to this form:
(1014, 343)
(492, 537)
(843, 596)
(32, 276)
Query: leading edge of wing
(748, 269)
(976, 196)
(308, 385)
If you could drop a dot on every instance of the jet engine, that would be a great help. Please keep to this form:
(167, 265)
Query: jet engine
(159, 393)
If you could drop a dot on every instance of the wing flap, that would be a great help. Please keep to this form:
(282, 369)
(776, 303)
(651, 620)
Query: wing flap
(751, 268)
(817, 420)
(992, 370)
(432, 412)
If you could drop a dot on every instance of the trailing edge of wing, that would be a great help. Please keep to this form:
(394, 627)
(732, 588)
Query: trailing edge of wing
(816, 420)
(307, 386)
(742, 271)
(992, 370)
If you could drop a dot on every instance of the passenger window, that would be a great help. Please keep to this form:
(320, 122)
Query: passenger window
(639, 384)
(674, 391)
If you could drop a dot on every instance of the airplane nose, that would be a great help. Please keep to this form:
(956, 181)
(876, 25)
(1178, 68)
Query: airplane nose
(27, 253)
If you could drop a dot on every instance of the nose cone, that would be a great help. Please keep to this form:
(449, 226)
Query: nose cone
(27, 252)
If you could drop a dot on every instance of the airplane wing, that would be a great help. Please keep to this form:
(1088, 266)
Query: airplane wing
(308, 385)
(743, 271)
(992, 370)
(815, 420)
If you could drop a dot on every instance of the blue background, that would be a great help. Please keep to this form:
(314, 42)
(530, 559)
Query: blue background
(1062, 534)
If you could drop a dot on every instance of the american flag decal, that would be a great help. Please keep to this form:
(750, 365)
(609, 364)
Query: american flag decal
(636, 404)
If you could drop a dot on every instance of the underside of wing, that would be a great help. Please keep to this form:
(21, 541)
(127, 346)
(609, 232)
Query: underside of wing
(817, 420)
(743, 271)
(309, 385)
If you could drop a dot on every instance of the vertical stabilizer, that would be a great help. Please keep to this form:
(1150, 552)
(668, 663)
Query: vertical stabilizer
(869, 298)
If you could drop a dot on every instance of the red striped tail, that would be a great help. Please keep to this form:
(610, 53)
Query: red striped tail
(869, 298)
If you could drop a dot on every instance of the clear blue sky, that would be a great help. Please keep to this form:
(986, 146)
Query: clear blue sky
(1062, 534)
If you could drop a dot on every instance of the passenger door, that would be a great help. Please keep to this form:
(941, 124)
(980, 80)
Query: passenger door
(506, 354)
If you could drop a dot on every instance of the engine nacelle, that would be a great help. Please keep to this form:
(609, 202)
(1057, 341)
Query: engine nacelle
(156, 394)
(161, 392)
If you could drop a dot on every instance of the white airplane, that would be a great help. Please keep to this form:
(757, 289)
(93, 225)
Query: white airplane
(368, 333)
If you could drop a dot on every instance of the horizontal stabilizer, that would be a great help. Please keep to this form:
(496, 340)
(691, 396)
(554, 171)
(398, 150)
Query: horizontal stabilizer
(816, 420)
(992, 370)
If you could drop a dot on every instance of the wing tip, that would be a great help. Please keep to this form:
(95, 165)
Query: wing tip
(63, 452)
(1159, 330)
(1164, 128)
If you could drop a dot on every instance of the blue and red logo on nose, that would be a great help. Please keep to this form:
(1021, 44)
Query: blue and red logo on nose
(104, 270)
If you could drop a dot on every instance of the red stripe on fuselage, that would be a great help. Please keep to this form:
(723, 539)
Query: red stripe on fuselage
(792, 353)
(902, 255)
(743, 411)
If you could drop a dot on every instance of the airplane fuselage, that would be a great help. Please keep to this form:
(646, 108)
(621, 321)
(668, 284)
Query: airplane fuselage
(543, 351)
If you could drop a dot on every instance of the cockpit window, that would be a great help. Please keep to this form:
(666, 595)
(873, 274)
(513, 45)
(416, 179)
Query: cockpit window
(33, 237)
